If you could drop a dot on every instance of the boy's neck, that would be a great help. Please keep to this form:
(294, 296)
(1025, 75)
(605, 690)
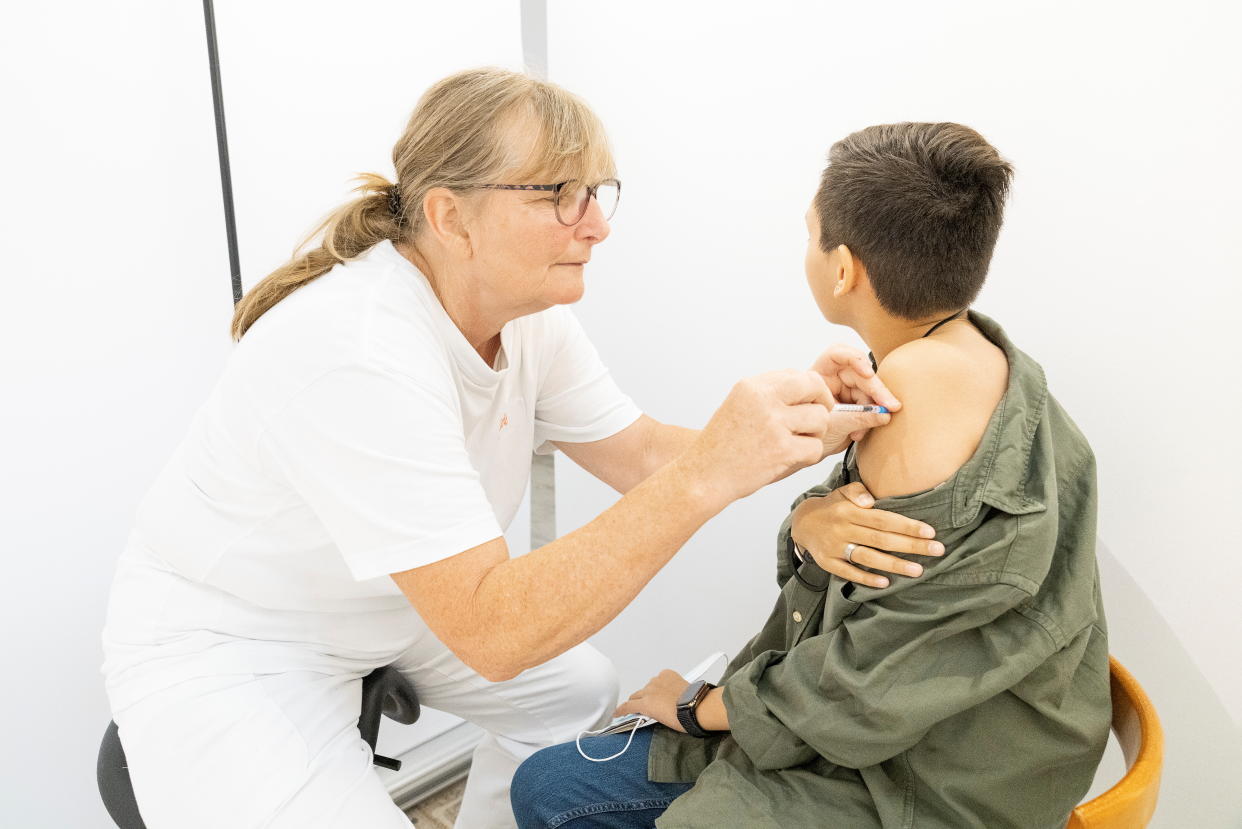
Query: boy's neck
(884, 333)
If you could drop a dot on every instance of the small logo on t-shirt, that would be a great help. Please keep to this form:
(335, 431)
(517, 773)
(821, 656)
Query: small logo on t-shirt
(504, 421)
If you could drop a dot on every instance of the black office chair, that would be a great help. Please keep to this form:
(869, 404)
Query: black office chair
(385, 691)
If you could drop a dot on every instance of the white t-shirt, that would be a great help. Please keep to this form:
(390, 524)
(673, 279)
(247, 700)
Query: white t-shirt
(354, 433)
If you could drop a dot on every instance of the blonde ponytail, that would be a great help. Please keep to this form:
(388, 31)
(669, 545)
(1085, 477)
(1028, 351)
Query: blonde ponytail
(347, 232)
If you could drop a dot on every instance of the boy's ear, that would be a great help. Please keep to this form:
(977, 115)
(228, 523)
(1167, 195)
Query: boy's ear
(850, 272)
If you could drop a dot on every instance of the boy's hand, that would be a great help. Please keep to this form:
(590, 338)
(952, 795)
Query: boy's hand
(657, 700)
(823, 526)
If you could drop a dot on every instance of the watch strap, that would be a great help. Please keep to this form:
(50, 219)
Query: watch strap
(687, 712)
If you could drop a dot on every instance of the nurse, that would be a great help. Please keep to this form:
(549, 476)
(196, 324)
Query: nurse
(339, 501)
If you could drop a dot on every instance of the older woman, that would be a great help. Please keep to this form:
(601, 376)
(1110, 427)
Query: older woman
(340, 500)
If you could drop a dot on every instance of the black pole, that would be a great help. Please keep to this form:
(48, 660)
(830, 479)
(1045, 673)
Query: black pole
(222, 143)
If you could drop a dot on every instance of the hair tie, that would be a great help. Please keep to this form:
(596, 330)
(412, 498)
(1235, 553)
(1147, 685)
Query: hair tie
(394, 201)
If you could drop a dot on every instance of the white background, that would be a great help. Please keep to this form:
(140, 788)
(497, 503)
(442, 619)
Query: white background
(1118, 269)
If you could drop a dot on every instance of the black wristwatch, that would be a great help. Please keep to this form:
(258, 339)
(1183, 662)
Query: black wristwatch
(687, 707)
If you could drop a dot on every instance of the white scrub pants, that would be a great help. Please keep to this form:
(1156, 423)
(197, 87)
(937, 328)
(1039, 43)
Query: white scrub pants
(282, 751)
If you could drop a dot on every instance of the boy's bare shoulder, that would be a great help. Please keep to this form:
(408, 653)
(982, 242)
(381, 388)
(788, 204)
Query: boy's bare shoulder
(967, 369)
(917, 359)
(948, 388)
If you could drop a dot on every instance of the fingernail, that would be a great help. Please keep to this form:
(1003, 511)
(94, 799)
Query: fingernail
(881, 583)
(927, 532)
(865, 501)
(914, 570)
(936, 547)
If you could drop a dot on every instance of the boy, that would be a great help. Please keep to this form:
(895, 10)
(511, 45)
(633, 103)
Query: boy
(975, 696)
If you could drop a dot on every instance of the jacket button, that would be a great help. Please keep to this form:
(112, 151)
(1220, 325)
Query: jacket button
(797, 617)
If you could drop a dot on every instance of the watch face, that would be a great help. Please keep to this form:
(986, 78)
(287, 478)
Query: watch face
(688, 695)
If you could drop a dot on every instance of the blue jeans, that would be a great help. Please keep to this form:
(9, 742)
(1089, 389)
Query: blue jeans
(556, 787)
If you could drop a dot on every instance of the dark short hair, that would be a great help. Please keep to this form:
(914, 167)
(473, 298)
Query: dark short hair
(921, 206)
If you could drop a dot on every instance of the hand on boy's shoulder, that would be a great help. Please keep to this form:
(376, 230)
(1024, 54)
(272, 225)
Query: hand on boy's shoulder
(949, 389)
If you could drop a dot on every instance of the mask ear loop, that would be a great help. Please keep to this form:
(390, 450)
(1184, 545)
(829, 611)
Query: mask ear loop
(578, 741)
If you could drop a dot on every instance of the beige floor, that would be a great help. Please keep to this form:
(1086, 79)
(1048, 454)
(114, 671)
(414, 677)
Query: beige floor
(440, 810)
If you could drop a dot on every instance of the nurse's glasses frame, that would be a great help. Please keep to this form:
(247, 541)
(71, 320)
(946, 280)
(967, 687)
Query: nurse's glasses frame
(592, 191)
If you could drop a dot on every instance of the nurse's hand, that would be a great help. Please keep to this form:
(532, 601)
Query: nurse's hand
(769, 426)
(824, 526)
(850, 379)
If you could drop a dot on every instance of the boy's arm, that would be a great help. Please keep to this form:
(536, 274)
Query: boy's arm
(870, 689)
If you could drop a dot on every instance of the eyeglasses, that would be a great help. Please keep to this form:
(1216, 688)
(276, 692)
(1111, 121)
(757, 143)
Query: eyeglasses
(572, 197)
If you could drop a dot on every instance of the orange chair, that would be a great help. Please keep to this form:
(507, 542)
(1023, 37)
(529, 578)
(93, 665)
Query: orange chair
(1130, 803)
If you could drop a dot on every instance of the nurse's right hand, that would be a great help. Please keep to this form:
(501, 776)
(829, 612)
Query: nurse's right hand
(769, 426)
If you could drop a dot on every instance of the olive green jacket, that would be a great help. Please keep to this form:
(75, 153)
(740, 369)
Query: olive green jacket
(974, 696)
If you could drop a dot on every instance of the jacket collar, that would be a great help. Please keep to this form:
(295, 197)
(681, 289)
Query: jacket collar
(997, 472)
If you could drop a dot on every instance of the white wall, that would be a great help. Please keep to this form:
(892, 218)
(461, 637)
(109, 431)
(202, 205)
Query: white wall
(1116, 270)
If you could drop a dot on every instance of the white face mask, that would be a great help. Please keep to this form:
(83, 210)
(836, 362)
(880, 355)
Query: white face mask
(632, 722)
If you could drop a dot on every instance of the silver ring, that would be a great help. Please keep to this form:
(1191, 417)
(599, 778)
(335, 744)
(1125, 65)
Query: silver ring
(849, 552)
